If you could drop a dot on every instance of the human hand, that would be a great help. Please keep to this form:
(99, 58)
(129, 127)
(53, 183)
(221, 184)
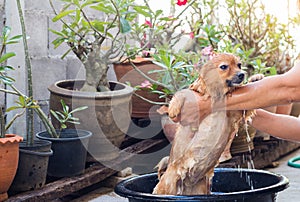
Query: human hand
(185, 107)
(256, 77)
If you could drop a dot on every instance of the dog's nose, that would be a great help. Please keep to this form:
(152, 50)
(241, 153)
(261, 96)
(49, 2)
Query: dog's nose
(241, 75)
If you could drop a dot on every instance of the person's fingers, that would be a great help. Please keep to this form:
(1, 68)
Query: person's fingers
(256, 77)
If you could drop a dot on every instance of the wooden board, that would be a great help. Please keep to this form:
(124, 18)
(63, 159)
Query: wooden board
(92, 175)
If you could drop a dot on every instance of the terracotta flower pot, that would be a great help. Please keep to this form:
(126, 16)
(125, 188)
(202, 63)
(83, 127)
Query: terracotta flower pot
(9, 157)
(125, 73)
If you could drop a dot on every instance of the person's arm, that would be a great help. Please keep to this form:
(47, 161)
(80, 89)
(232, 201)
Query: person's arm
(273, 90)
(279, 125)
(270, 91)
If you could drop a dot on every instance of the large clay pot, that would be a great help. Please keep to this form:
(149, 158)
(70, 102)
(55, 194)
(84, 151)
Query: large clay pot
(107, 116)
(126, 73)
(9, 158)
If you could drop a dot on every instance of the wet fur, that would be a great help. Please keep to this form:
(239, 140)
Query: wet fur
(196, 148)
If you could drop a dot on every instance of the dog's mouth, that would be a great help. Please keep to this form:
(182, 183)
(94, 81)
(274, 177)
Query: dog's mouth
(236, 80)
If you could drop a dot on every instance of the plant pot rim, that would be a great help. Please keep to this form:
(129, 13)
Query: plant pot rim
(56, 88)
(44, 135)
(137, 60)
(12, 138)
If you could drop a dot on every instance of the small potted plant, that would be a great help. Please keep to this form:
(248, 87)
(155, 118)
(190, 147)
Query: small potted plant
(70, 145)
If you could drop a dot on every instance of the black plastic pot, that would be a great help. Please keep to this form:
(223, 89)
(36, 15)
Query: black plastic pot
(69, 152)
(33, 165)
(238, 185)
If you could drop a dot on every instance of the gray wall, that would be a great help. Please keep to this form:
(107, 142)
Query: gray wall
(2, 12)
(46, 61)
(47, 65)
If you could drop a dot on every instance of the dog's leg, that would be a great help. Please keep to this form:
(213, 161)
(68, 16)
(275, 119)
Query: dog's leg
(175, 105)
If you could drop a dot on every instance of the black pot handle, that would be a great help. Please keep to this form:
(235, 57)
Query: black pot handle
(45, 153)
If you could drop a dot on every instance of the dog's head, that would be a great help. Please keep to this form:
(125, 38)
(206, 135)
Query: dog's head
(219, 75)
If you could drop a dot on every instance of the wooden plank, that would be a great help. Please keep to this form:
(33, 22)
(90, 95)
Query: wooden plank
(92, 175)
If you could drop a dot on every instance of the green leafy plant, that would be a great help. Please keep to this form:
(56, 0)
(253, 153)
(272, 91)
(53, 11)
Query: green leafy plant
(96, 41)
(251, 28)
(23, 101)
(159, 30)
(66, 116)
(5, 40)
(97, 32)
(175, 74)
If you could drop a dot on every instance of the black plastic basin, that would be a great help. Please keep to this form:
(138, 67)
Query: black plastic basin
(229, 184)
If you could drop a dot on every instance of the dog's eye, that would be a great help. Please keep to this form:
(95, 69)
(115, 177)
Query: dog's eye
(223, 67)
(239, 65)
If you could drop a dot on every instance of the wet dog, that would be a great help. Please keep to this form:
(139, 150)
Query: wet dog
(197, 148)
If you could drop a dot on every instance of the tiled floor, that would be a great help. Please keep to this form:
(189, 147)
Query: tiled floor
(291, 194)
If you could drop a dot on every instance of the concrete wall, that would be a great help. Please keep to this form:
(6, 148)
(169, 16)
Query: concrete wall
(2, 98)
(46, 63)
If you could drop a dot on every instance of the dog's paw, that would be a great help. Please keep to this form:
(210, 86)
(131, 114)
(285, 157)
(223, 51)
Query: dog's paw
(255, 77)
(175, 105)
(162, 166)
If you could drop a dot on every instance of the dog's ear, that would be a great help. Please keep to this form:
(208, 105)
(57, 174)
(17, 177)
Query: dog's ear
(199, 86)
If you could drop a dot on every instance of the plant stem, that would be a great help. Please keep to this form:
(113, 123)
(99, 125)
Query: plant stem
(8, 91)
(150, 101)
(48, 125)
(146, 76)
(29, 114)
(190, 4)
(2, 124)
(13, 119)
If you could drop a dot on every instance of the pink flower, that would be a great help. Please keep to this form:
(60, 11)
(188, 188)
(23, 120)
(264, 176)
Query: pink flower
(181, 2)
(208, 52)
(146, 53)
(192, 35)
(146, 84)
(148, 23)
